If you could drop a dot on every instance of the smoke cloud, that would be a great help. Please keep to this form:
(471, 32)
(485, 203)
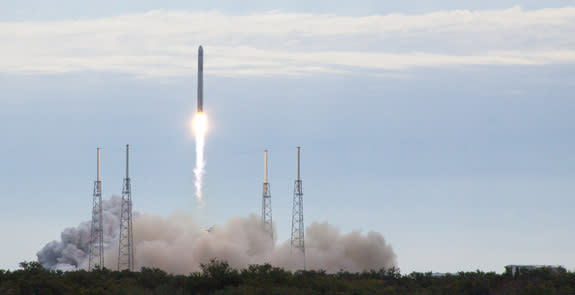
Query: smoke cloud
(73, 248)
(178, 245)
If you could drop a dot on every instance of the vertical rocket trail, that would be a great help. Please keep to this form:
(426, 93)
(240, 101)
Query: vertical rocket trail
(200, 124)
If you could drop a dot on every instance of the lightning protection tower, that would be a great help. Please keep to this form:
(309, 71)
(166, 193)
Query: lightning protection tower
(267, 201)
(297, 226)
(126, 244)
(96, 258)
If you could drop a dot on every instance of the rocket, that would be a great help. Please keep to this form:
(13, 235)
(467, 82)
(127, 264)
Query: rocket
(200, 79)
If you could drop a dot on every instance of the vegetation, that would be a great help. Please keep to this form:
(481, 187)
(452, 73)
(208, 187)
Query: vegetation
(217, 277)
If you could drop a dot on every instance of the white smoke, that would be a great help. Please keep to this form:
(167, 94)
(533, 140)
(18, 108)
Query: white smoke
(177, 245)
(72, 249)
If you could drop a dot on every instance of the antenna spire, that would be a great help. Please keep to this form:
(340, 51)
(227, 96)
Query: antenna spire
(298, 163)
(98, 165)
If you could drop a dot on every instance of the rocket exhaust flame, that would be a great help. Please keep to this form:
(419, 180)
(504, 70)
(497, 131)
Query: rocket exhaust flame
(200, 125)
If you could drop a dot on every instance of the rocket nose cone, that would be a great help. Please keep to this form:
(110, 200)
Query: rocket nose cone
(201, 50)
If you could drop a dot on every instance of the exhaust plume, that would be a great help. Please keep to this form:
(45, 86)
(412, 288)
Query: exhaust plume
(178, 245)
(200, 126)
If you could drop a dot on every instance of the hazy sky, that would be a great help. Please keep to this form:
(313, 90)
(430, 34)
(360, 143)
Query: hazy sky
(445, 125)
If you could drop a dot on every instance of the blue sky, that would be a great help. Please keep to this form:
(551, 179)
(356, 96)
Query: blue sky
(447, 131)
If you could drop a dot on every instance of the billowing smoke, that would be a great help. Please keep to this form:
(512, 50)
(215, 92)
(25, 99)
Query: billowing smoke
(72, 249)
(177, 245)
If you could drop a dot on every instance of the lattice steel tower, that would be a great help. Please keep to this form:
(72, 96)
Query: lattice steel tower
(96, 259)
(267, 202)
(297, 226)
(126, 244)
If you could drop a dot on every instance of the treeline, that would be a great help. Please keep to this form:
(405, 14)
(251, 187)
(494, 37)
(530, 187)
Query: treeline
(217, 277)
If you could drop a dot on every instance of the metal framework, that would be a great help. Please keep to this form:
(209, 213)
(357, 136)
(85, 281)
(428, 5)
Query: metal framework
(267, 202)
(297, 225)
(96, 258)
(126, 240)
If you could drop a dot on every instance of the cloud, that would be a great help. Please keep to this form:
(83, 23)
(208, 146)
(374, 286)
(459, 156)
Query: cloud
(164, 43)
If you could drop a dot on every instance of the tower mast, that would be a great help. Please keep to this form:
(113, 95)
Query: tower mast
(297, 225)
(96, 258)
(126, 243)
(267, 201)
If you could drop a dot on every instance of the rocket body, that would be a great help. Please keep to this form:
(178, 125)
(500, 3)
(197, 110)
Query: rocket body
(200, 80)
